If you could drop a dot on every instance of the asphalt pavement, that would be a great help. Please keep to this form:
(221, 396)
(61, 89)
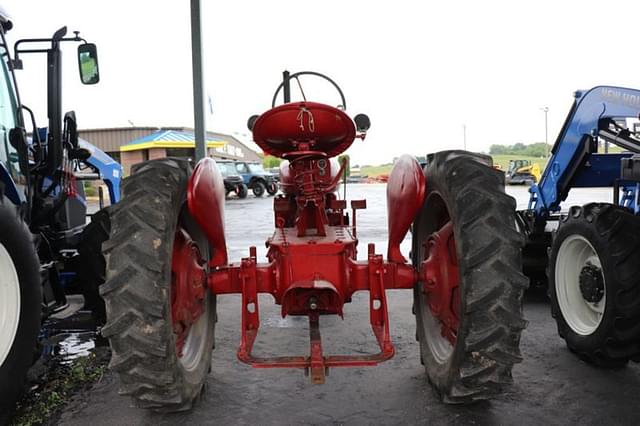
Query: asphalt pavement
(551, 386)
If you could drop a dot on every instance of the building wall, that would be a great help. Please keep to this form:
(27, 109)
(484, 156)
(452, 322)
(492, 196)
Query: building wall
(157, 153)
(129, 158)
(110, 139)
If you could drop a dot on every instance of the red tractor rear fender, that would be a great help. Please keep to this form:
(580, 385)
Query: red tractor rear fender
(205, 199)
(405, 195)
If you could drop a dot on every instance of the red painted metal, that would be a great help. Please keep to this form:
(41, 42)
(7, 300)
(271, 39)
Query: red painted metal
(291, 264)
(205, 200)
(374, 275)
(188, 286)
(441, 279)
(405, 196)
(280, 130)
(312, 267)
(331, 167)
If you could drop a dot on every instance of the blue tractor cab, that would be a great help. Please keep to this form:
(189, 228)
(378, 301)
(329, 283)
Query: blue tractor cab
(47, 249)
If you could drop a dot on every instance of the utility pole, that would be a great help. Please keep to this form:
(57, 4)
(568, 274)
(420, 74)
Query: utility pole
(464, 136)
(199, 127)
(546, 131)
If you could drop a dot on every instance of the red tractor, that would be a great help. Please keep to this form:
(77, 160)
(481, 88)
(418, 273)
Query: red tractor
(167, 262)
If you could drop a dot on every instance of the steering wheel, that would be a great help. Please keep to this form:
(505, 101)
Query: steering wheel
(317, 74)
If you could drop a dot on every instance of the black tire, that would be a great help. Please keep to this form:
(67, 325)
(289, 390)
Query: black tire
(17, 240)
(491, 286)
(535, 253)
(272, 188)
(242, 191)
(138, 289)
(614, 233)
(92, 265)
(258, 188)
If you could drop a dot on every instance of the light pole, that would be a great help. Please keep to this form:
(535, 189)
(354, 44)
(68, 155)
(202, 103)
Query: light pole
(546, 132)
(464, 136)
(199, 117)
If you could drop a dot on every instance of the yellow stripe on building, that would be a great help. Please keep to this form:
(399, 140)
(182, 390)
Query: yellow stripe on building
(169, 144)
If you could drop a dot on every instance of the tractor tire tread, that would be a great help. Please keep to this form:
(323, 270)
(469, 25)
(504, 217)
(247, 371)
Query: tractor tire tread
(618, 230)
(485, 232)
(136, 292)
(18, 241)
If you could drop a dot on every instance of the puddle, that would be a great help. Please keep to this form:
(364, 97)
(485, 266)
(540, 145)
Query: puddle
(68, 345)
(73, 356)
(68, 339)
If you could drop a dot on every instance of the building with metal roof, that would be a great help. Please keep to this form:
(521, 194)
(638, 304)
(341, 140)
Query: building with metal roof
(131, 145)
(168, 139)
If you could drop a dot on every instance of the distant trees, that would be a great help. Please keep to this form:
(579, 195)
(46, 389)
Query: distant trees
(270, 162)
(531, 150)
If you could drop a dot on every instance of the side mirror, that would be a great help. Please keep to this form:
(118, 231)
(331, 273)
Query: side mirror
(88, 63)
(362, 122)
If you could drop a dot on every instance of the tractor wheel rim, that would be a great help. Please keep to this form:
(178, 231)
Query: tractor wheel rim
(574, 254)
(441, 291)
(189, 302)
(194, 346)
(440, 347)
(9, 303)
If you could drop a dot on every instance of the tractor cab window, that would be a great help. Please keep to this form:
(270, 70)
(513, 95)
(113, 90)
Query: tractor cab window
(8, 110)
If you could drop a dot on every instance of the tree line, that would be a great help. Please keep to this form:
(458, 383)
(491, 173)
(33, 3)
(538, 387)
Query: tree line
(530, 150)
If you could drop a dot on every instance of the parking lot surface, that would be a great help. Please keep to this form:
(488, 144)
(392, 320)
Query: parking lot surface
(551, 386)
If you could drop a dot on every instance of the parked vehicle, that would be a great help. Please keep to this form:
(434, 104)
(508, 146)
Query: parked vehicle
(233, 182)
(592, 258)
(257, 179)
(45, 248)
(465, 269)
(522, 172)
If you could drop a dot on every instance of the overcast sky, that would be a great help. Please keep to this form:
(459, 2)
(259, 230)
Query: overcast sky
(420, 70)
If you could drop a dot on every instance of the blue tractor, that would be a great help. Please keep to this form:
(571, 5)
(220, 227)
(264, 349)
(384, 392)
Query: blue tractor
(591, 259)
(46, 248)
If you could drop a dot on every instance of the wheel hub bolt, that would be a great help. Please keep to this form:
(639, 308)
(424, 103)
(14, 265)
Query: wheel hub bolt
(591, 283)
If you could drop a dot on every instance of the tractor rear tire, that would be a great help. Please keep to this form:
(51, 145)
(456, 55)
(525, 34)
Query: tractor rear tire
(258, 189)
(594, 267)
(466, 188)
(20, 304)
(92, 265)
(242, 191)
(138, 292)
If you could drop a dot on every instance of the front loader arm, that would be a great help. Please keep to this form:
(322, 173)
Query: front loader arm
(577, 143)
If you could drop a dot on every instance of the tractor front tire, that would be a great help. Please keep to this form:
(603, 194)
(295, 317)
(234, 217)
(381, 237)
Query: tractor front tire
(91, 264)
(465, 192)
(594, 268)
(20, 304)
(138, 291)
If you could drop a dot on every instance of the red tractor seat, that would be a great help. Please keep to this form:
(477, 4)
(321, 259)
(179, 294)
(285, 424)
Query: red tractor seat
(281, 129)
